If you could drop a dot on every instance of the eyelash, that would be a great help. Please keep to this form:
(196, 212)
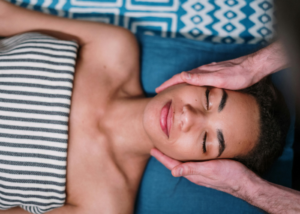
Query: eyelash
(207, 106)
(204, 142)
(207, 96)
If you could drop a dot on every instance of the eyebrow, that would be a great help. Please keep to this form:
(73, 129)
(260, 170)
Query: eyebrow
(223, 100)
(221, 142)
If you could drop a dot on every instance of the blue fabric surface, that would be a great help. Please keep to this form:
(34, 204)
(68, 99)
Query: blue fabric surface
(226, 21)
(159, 192)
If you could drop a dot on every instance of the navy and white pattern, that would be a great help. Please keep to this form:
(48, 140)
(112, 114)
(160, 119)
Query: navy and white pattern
(36, 81)
(221, 21)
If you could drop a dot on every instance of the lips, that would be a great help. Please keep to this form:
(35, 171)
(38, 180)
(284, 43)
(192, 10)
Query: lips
(166, 118)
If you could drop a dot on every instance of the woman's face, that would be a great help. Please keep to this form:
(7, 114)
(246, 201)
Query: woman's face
(199, 123)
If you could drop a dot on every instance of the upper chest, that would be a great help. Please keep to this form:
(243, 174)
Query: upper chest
(95, 169)
(92, 172)
(99, 81)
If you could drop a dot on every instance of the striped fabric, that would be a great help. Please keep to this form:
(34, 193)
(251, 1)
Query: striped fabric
(36, 80)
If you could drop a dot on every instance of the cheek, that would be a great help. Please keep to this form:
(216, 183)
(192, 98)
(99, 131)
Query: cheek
(185, 147)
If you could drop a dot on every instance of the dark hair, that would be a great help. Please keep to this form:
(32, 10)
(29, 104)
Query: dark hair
(274, 125)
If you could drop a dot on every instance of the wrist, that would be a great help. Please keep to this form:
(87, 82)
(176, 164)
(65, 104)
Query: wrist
(263, 66)
(268, 61)
(251, 186)
(255, 187)
(268, 196)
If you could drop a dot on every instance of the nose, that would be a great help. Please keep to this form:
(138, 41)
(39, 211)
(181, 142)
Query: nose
(191, 118)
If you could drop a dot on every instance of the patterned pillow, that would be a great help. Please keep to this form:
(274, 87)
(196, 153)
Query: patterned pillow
(217, 21)
(36, 81)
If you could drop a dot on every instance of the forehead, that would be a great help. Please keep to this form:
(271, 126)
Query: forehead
(239, 122)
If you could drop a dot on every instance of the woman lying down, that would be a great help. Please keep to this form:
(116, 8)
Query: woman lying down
(112, 125)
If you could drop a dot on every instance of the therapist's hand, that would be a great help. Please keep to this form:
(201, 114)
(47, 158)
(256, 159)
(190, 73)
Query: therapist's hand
(234, 74)
(224, 175)
(231, 74)
(234, 178)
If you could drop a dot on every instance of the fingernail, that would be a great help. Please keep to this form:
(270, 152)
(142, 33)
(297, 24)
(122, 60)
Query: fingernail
(187, 75)
(180, 172)
(177, 172)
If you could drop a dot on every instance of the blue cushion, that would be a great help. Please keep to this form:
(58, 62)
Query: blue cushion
(159, 192)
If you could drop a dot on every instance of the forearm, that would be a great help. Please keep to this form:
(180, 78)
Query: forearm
(15, 20)
(269, 60)
(270, 197)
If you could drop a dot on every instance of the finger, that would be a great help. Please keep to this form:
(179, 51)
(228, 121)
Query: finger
(165, 160)
(176, 79)
(214, 66)
(196, 70)
(205, 79)
(211, 67)
(194, 168)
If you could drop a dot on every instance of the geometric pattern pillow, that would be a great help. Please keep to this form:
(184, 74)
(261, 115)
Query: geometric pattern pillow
(218, 21)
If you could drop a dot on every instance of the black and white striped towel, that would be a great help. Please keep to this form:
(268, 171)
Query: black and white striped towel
(36, 81)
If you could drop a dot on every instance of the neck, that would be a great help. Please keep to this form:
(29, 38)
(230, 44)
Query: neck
(131, 137)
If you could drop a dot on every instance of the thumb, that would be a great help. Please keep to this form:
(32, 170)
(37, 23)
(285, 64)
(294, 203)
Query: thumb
(201, 79)
(186, 169)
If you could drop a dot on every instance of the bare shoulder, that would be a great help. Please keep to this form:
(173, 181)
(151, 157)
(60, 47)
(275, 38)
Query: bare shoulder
(108, 54)
(114, 53)
(3, 6)
(4, 9)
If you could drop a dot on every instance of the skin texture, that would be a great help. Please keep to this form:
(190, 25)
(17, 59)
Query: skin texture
(234, 74)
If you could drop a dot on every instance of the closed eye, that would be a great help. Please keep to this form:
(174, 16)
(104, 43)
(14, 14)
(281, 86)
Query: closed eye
(207, 98)
(204, 143)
